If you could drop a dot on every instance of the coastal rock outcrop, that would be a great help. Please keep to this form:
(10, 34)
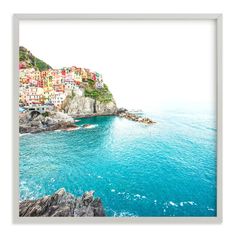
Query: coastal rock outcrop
(81, 106)
(106, 108)
(130, 116)
(78, 105)
(63, 204)
(34, 122)
(121, 110)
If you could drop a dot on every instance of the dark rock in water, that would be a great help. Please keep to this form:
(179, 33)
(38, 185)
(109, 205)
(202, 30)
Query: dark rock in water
(134, 117)
(121, 110)
(62, 203)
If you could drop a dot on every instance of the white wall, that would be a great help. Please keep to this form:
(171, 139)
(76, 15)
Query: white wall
(154, 6)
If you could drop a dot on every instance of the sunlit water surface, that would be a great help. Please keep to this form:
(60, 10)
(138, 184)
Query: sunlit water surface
(165, 169)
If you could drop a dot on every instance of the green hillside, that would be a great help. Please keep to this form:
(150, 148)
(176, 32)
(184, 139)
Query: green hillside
(26, 57)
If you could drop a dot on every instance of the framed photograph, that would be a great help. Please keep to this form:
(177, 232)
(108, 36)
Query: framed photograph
(117, 118)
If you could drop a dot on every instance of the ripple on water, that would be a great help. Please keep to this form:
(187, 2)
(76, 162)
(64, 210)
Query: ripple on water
(165, 169)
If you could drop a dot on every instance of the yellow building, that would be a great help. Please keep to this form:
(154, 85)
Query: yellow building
(84, 74)
(47, 81)
(48, 94)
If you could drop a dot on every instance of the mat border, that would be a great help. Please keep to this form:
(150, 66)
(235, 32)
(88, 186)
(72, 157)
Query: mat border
(122, 220)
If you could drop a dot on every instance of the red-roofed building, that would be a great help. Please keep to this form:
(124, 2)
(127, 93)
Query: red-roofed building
(22, 65)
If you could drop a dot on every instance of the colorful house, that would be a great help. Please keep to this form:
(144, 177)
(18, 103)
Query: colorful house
(59, 88)
(40, 83)
(84, 75)
(48, 94)
(58, 98)
(22, 65)
(53, 85)
(34, 95)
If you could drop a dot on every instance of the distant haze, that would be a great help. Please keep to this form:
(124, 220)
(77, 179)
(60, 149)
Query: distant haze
(146, 64)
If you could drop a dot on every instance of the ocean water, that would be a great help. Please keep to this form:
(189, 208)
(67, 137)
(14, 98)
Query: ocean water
(165, 169)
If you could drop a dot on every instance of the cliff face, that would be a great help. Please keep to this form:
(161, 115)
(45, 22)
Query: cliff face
(79, 106)
(63, 204)
(106, 108)
(92, 101)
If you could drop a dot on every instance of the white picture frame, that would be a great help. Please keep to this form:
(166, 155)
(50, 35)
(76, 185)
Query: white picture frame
(124, 17)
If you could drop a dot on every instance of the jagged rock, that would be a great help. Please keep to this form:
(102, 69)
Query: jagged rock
(62, 203)
(61, 117)
(49, 121)
(87, 198)
(33, 124)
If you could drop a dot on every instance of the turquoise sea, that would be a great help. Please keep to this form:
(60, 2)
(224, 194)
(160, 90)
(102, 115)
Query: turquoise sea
(165, 169)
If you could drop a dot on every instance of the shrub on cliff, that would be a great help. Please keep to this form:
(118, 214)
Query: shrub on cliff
(102, 95)
(46, 114)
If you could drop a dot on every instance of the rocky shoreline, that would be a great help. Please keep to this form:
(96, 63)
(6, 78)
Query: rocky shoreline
(63, 204)
(92, 115)
(130, 116)
(34, 122)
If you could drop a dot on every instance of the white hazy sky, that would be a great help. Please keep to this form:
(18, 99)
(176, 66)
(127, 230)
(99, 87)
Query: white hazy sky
(146, 64)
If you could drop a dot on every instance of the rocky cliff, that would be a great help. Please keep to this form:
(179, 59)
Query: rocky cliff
(63, 204)
(91, 102)
(80, 106)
